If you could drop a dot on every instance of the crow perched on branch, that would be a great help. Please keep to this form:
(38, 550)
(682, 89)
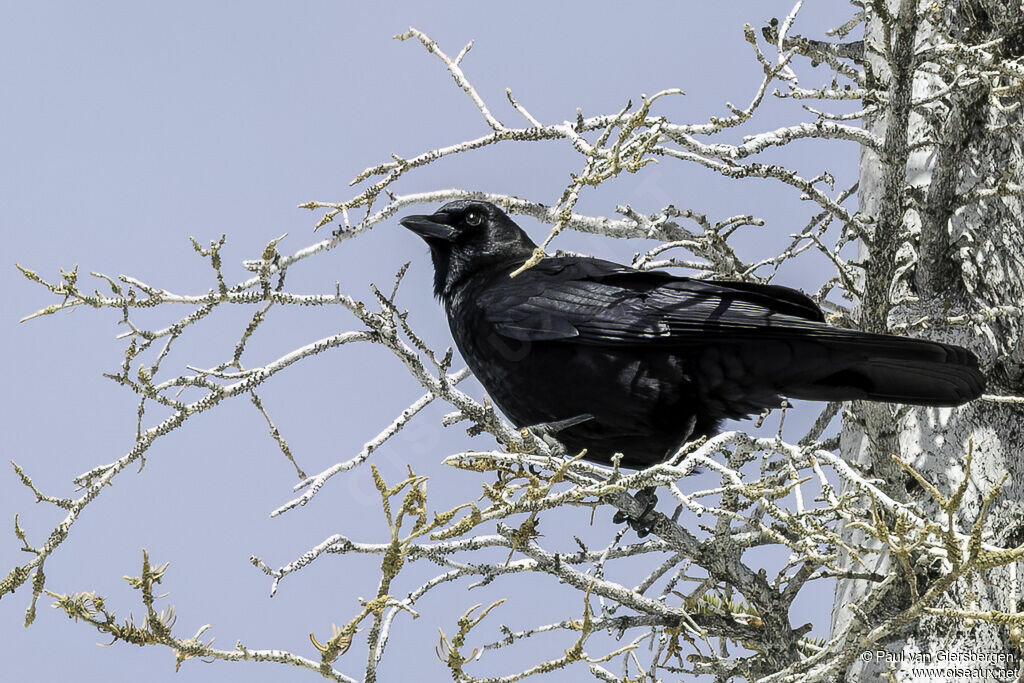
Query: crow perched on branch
(618, 360)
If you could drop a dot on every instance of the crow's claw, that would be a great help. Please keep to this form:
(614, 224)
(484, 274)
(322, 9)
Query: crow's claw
(572, 421)
(644, 523)
(555, 426)
(548, 431)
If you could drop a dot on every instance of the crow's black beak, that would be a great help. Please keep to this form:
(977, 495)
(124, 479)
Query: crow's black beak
(430, 227)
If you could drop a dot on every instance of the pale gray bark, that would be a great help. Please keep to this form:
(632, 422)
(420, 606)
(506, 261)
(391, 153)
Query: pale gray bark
(962, 248)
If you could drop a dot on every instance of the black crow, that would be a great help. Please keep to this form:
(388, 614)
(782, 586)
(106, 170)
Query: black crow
(619, 360)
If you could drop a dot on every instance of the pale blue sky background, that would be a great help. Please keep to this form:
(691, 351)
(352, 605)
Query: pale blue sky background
(126, 127)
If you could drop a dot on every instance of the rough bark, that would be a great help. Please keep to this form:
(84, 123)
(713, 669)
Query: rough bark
(940, 251)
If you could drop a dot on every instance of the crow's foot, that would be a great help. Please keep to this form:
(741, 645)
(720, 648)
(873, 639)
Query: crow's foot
(644, 523)
(547, 431)
(555, 426)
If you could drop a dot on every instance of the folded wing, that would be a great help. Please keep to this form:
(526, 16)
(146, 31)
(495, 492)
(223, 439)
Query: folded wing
(742, 335)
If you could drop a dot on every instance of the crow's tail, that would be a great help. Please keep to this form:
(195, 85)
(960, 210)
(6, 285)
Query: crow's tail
(877, 367)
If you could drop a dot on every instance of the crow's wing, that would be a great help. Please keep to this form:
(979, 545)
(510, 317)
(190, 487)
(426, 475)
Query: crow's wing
(743, 336)
(589, 301)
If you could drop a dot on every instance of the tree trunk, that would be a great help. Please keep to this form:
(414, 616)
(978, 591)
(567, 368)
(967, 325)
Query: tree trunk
(938, 252)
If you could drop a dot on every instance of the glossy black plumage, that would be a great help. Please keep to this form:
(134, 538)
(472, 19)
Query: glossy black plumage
(639, 356)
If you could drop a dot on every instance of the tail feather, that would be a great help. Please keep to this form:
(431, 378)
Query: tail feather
(893, 369)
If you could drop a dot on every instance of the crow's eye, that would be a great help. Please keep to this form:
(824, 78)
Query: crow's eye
(474, 218)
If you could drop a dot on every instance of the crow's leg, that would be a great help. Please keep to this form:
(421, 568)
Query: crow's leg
(643, 523)
(546, 431)
(543, 429)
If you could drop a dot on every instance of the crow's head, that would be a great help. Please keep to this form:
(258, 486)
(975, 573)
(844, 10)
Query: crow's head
(465, 236)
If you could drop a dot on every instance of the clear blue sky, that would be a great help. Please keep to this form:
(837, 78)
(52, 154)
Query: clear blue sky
(126, 127)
